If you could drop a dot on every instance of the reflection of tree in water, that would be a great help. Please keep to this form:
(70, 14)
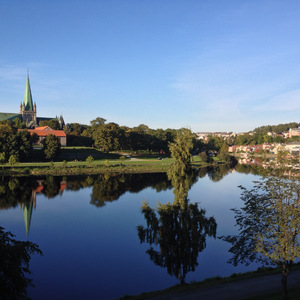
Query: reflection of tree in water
(269, 225)
(51, 186)
(15, 190)
(217, 173)
(14, 266)
(179, 229)
(180, 233)
(109, 187)
(181, 185)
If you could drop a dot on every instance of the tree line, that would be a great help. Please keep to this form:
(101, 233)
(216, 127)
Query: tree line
(111, 136)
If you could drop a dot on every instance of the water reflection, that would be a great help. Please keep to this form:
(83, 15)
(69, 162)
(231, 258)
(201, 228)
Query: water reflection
(105, 188)
(179, 229)
(22, 191)
(108, 187)
(269, 225)
(75, 226)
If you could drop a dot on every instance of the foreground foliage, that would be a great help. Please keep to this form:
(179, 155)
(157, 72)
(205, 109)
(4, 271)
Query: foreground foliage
(269, 225)
(14, 265)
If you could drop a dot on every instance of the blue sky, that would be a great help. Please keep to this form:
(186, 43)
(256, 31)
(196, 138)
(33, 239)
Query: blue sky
(208, 65)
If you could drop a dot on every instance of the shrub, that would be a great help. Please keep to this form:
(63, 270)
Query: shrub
(89, 159)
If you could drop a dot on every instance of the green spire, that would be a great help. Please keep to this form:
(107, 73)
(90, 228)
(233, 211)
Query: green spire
(27, 96)
(27, 211)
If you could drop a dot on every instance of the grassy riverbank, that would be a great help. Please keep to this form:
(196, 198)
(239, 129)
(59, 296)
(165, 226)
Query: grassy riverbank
(294, 293)
(72, 161)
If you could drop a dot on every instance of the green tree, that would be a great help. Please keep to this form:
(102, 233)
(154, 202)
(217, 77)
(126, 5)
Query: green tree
(18, 124)
(2, 158)
(89, 159)
(107, 137)
(43, 123)
(13, 160)
(269, 225)
(54, 124)
(97, 122)
(204, 157)
(181, 152)
(14, 265)
(51, 146)
(178, 230)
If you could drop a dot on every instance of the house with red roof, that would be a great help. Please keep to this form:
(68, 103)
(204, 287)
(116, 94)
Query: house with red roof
(43, 131)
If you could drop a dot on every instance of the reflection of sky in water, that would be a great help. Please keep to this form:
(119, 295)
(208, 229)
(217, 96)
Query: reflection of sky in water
(95, 253)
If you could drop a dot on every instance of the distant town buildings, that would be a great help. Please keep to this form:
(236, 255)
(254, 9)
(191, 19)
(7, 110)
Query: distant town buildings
(294, 132)
(206, 135)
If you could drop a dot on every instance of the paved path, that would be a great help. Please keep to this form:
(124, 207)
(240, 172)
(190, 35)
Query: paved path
(236, 290)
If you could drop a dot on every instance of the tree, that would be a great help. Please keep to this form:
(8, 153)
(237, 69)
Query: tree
(18, 124)
(14, 265)
(269, 225)
(89, 159)
(178, 229)
(13, 142)
(107, 137)
(97, 122)
(2, 158)
(13, 159)
(54, 124)
(204, 157)
(51, 146)
(181, 151)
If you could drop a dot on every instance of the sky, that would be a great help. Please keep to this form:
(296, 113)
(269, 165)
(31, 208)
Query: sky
(209, 65)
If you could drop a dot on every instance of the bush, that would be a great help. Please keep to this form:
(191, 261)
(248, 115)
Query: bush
(89, 159)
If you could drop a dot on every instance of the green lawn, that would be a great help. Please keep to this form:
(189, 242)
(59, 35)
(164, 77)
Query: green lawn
(72, 160)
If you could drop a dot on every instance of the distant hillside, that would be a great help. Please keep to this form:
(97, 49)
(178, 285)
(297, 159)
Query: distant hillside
(276, 128)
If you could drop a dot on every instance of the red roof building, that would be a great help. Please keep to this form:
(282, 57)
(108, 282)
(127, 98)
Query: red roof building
(43, 131)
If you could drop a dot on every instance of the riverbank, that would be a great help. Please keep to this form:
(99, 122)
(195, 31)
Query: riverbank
(100, 163)
(257, 285)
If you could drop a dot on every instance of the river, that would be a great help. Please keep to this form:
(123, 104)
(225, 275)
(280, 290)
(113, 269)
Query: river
(86, 228)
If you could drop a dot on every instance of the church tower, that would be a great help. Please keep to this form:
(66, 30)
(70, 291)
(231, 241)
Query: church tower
(27, 108)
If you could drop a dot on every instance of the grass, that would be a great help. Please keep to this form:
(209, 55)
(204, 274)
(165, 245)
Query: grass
(293, 293)
(72, 160)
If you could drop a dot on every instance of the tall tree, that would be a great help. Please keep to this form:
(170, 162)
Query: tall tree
(269, 225)
(181, 152)
(107, 137)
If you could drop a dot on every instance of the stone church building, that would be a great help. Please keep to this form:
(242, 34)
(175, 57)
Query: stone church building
(28, 111)
(28, 115)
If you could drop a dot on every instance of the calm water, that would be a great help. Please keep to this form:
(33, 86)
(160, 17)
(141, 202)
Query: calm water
(86, 228)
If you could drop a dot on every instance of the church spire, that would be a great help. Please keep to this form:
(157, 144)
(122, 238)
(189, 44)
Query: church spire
(28, 103)
(27, 212)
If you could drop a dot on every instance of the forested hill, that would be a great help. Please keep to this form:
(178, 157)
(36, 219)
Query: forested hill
(276, 128)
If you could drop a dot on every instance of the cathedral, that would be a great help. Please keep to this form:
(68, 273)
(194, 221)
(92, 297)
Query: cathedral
(28, 113)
